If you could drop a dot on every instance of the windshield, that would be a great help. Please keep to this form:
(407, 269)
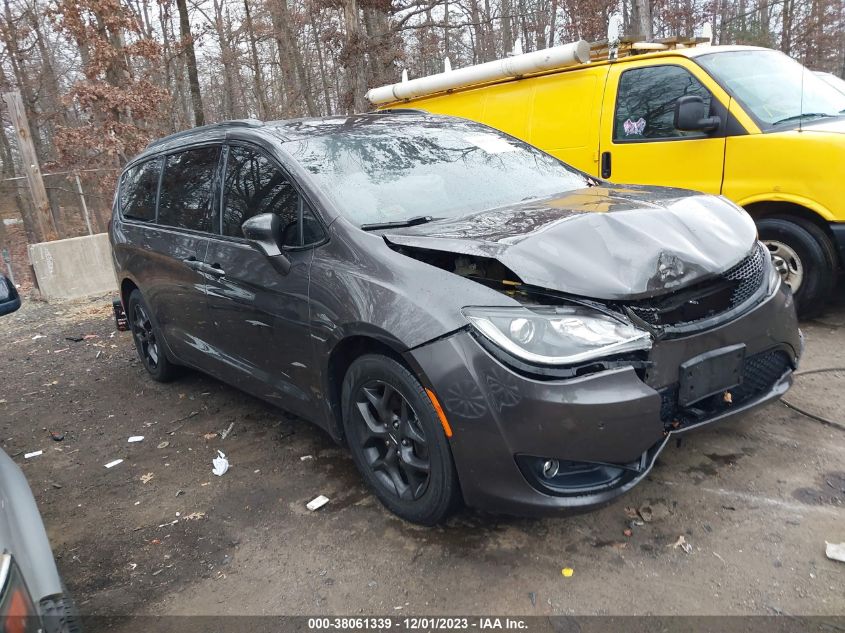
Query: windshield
(832, 80)
(770, 85)
(379, 169)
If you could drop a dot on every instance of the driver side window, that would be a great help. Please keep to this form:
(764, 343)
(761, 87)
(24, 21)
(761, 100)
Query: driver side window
(645, 104)
(254, 185)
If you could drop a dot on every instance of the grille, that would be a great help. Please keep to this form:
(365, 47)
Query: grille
(759, 373)
(748, 274)
(728, 290)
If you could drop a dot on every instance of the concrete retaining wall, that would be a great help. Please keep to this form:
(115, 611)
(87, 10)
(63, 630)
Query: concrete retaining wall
(73, 268)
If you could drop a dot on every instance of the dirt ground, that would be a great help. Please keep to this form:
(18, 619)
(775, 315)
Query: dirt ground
(159, 534)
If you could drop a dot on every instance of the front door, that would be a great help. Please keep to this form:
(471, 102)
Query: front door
(261, 337)
(639, 142)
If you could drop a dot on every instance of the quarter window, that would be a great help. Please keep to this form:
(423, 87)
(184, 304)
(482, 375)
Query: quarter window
(138, 191)
(255, 185)
(187, 190)
(645, 106)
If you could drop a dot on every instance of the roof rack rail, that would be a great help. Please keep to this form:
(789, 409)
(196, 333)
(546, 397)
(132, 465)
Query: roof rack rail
(210, 126)
(637, 45)
(400, 111)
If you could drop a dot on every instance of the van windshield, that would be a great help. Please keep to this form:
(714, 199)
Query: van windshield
(778, 91)
(394, 168)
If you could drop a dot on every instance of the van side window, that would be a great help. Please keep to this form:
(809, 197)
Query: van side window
(645, 104)
(187, 189)
(254, 185)
(138, 191)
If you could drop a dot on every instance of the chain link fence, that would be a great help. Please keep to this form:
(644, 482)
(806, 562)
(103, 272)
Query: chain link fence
(80, 204)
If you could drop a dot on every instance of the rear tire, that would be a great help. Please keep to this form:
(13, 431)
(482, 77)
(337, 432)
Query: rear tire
(148, 341)
(805, 257)
(397, 441)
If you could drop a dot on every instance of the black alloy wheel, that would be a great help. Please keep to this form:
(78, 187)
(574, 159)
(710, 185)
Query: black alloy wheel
(393, 442)
(148, 340)
(397, 440)
(145, 338)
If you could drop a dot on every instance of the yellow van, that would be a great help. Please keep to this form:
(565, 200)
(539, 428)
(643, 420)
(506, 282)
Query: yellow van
(745, 122)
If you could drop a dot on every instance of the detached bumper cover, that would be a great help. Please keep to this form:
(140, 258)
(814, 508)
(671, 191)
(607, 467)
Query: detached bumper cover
(620, 417)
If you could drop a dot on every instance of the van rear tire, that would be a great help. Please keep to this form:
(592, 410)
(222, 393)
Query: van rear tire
(805, 256)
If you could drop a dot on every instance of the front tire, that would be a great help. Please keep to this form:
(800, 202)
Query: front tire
(397, 441)
(805, 258)
(148, 341)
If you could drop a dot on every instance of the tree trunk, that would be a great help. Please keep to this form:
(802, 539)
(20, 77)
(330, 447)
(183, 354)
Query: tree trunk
(227, 57)
(353, 59)
(257, 76)
(291, 55)
(642, 19)
(23, 76)
(552, 24)
(320, 61)
(191, 60)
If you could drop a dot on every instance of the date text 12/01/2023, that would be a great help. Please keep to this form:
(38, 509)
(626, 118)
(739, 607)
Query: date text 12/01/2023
(416, 623)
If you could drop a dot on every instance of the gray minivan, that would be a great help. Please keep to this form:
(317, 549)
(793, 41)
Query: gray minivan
(475, 319)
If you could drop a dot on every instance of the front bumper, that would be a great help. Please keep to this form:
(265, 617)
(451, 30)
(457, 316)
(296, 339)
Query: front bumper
(621, 418)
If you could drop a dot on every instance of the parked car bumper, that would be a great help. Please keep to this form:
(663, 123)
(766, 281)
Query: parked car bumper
(605, 429)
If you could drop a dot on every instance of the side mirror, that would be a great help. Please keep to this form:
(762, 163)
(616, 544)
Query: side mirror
(265, 230)
(9, 298)
(691, 115)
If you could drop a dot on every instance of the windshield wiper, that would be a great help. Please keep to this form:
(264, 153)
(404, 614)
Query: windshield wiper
(420, 219)
(802, 116)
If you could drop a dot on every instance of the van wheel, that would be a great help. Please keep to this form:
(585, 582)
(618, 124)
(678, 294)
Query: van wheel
(397, 441)
(148, 340)
(805, 258)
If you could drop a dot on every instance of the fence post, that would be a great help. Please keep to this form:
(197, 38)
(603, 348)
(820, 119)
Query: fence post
(43, 217)
(82, 201)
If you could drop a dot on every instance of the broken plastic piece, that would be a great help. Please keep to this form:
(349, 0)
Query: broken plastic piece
(317, 503)
(33, 454)
(220, 463)
(835, 551)
(225, 434)
(114, 463)
(567, 572)
(136, 438)
(683, 544)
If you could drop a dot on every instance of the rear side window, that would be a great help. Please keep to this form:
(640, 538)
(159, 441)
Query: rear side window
(138, 191)
(645, 104)
(253, 184)
(187, 189)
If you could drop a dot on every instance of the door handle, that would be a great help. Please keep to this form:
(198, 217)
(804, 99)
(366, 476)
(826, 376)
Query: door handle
(192, 262)
(214, 270)
(605, 165)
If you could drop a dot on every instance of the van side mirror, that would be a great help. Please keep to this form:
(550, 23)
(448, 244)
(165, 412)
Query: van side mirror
(265, 231)
(9, 298)
(691, 115)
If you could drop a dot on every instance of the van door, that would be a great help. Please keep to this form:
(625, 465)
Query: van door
(261, 339)
(639, 142)
(175, 287)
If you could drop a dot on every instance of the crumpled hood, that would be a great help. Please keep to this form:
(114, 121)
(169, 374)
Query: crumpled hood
(602, 242)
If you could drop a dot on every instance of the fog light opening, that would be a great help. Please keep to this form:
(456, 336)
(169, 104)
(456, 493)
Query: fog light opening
(550, 468)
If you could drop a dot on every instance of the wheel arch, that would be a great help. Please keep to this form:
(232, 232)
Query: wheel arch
(343, 354)
(126, 288)
(787, 209)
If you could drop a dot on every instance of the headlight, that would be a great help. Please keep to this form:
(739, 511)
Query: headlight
(557, 335)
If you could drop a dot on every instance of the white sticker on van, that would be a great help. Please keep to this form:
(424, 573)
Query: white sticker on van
(490, 143)
(634, 127)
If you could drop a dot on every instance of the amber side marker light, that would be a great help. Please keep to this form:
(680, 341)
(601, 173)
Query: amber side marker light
(17, 612)
(440, 414)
